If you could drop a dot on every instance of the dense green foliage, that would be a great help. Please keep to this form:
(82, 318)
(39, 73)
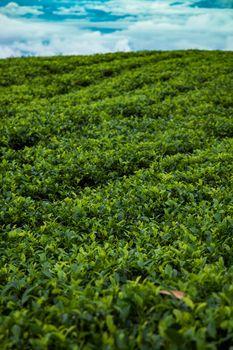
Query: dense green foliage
(116, 182)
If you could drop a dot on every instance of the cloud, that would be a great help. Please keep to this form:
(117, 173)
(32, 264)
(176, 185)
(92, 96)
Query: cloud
(14, 10)
(136, 7)
(203, 31)
(157, 26)
(73, 10)
(28, 38)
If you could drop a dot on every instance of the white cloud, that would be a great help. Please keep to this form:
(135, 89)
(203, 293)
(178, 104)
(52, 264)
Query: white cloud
(45, 39)
(9, 51)
(138, 7)
(171, 36)
(12, 9)
(160, 27)
(73, 10)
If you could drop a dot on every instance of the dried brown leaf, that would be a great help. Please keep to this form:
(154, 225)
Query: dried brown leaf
(176, 293)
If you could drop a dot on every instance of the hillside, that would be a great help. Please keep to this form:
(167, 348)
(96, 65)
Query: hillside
(116, 175)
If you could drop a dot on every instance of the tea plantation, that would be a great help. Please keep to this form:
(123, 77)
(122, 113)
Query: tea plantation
(116, 190)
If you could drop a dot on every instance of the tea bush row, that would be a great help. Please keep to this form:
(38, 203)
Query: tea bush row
(116, 183)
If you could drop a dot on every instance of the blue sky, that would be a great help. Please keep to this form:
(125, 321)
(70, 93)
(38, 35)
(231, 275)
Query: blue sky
(43, 27)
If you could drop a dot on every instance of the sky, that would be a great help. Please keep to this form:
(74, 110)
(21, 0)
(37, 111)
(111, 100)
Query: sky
(67, 27)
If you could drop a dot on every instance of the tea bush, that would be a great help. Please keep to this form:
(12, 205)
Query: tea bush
(116, 184)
